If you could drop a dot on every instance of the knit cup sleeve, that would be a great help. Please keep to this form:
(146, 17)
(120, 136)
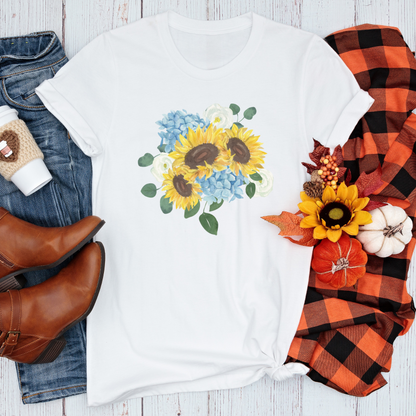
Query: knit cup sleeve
(21, 160)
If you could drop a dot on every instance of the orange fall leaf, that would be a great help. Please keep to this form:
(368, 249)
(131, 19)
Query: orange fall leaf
(289, 226)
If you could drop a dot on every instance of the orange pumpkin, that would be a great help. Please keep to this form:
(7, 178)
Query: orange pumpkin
(339, 264)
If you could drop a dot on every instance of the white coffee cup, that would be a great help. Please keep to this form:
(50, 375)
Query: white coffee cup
(32, 176)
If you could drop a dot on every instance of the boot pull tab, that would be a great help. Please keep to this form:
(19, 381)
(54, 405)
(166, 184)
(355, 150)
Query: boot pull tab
(12, 336)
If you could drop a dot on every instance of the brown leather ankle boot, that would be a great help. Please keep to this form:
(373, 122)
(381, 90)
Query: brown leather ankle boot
(25, 247)
(33, 320)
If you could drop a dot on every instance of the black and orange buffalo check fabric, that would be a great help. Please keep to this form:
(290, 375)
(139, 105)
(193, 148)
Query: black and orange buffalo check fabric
(346, 336)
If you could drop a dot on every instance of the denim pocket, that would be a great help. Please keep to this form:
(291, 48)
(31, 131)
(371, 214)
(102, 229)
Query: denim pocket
(19, 89)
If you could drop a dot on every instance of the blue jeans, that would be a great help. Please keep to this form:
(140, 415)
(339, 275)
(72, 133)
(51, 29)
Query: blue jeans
(25, 62)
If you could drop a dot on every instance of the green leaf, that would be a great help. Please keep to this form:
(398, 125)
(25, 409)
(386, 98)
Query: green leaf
(165, 205)
(190, 213)
(149, 190)
(209, 222)
(146, 160)
(239, 125)
(162, 148)
(251, 189)
(215, 205)
(256, 177)
(250, 113)
(235, 108)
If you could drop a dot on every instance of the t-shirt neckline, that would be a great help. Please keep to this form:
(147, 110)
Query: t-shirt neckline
(176, 21)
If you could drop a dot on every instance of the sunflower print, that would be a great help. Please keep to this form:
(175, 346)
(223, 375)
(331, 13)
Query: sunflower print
(206, 161)
(182, 193)
(199, 152)
(242, 151)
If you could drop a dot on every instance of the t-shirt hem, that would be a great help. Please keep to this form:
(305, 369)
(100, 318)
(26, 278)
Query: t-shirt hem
(172, 389)
(227, 381)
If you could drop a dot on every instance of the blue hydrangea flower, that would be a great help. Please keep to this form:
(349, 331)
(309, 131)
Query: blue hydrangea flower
(222, 186)
(176, 123)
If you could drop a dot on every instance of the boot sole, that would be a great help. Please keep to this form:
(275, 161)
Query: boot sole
(15, 280)
(55, 347)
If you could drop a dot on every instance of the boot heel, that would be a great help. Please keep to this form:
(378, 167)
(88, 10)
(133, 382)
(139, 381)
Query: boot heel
(51, 352)
(12, 283)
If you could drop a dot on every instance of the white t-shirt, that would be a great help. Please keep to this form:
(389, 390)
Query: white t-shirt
(199, 293)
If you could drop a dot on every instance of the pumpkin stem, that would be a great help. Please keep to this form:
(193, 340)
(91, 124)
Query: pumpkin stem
(390, 230)
(342, 264)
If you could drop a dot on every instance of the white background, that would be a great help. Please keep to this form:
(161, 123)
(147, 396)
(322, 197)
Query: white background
(77, 22)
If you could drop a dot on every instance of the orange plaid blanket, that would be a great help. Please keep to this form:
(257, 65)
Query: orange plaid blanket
(346, 336)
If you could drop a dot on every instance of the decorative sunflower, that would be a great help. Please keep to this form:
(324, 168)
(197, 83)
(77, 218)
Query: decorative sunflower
(335, 212)
(243, 151)
(200, 152)
(180, 191)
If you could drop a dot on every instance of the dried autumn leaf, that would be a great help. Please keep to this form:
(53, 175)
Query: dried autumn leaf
(316, 155)
(310, 168)
(348, 178)
(341, 172)
(316, 143)
(289, 226)
(307, 239)
(373, 205)
(368, 184)
(338, 154)
(318, 151)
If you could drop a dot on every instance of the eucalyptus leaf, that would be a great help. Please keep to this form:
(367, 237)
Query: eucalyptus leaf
(235, 109)
(250, 113)
(256, 177)
(161, 148)
(215, 205)
(239, 125)
(209, 222)
(251, 189)
(165, 205)
(149, 190)
(146, 160)
(190, 213)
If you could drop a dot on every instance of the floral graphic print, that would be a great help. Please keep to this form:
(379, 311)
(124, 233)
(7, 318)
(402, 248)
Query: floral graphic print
(205, 161)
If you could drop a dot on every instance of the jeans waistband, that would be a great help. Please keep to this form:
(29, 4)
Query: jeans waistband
(25, 53)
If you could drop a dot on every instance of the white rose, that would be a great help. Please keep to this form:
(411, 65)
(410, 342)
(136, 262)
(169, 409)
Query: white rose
(265, 186)
(220, 117)
(161, 164)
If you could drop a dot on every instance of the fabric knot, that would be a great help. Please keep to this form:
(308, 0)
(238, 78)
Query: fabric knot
(287, 371)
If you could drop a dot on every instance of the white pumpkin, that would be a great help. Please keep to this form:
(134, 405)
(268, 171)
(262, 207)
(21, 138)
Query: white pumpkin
(389, 232)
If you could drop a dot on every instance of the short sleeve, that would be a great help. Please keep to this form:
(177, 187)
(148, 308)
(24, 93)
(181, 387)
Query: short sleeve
(82, 95)
(333, 102)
